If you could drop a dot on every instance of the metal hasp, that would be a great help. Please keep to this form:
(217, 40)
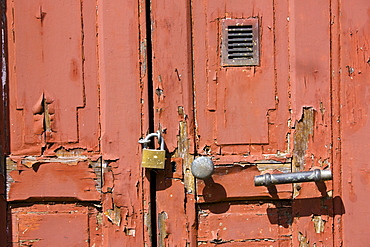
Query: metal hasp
(293, 177)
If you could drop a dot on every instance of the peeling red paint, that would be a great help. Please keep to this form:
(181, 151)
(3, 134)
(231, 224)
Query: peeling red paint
(268, 224)
(87, 79)
(35, 225)
(62, 181)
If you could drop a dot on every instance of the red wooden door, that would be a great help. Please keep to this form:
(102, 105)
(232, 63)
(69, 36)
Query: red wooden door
(86, 79)
(69, 61)
(282, 115)
(53, 168)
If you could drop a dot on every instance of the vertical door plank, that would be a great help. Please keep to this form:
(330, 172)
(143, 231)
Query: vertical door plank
(355, 126)
(310, 75)
(172, 69)
(173, 114)
(309, 37)
(119, 78)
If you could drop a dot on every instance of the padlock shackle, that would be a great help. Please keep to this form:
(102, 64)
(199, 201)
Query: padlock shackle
(146, 140)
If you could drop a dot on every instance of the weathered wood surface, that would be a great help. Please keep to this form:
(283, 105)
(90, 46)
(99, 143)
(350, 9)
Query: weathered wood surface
(87, 79)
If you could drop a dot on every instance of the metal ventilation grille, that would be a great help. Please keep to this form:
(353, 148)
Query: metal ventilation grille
(239, 42)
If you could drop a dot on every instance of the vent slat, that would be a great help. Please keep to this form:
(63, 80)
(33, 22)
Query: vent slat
(247, 40)
(232, 45)
(240, 34)
(239, 54)
(240, 58)
(241, 49)
(240, 28)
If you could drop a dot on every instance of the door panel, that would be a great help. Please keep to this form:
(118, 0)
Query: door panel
(250, 224)
(47, 47)
(76, 181)
(274, 117)
(53, 98)
(233, 103)
(55, 225)
(74, 104)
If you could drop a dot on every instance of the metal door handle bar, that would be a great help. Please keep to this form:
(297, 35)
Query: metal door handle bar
(293, 177)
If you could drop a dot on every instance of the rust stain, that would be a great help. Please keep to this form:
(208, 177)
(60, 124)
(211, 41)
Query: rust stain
(74, 74)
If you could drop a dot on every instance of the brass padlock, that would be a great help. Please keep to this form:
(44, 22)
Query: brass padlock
(153, 158)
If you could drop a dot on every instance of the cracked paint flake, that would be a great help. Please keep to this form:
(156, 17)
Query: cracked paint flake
(64, 156)
(11, 165)
(183, 152)
(319, 223)
(303, 131)
(73, 182)
(162, 218)
(114, 215)
(61, 155)
(303, 242)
